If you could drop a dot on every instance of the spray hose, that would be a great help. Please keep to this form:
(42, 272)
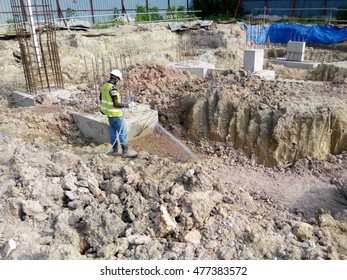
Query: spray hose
(5, 135)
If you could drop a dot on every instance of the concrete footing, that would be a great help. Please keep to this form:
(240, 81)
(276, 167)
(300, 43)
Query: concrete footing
(26, 99)
(140, 121)
(295, 51)
(253, 60)
(197, 68)
(23, 99)
(306, 65)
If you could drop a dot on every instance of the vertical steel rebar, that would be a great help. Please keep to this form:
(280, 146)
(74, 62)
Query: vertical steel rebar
(86, 68)
(34, 24)
(103, 67)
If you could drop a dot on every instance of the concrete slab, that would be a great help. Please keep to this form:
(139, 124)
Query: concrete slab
(64, 94)
(253, 60)
(306, 65)
(140, 121)
(339, 64)
(23, 99)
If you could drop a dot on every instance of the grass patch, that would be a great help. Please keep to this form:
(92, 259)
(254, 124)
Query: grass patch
(107, 24)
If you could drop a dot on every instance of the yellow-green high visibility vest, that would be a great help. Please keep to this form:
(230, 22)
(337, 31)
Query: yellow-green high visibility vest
(107, 106)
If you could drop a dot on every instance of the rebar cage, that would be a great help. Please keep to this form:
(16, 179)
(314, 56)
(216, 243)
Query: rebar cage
(35, 29)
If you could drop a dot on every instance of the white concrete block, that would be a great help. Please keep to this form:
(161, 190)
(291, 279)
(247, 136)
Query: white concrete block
(296, 47)
(253, 60)
(295, 51)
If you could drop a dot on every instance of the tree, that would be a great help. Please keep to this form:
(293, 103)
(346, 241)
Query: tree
(217, 7)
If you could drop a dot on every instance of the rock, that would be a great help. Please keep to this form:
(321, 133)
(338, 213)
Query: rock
(174, 211)
(341, 216)
(138, 239)
(9, 247)
(40, 217)
(55, 170)
(199, 204)
(86, 178)
(226, 253)
(130, 176)
(58, 251)
(303, 231)
(211, 244)
(31, 207)
(324, 219)
(107, 252)
(69, 182)
(167, 224)
(70, 195)
(193, 237)
(177, 191)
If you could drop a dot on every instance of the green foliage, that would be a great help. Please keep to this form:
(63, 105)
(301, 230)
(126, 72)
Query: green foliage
(107, 24)
(10, 28)
(142, 14)
(176, 13)
(342, 15)
(70, 13)
(218, 9)
(10, 21)
(116, 12)
(303, 21)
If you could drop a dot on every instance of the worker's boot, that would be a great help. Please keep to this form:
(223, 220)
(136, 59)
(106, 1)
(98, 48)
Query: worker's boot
(115, 151)
(128, 154)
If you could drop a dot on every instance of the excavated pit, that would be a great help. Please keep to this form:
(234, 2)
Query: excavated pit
(274, 122)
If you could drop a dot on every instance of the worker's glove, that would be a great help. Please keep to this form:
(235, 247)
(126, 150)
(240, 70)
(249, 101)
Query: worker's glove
(131, 104)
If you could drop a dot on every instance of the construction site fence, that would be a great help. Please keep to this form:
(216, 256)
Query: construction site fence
(295, 8)
(270, 15)
(96, 11)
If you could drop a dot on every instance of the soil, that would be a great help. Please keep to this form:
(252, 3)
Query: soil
(62, 198)
(298, 189)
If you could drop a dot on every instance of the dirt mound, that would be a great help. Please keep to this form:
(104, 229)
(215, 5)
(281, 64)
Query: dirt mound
(57, 206)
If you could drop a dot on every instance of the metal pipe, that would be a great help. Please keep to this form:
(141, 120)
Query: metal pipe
(293, 8)
(92, 9)
(60, 12)
(237, 7)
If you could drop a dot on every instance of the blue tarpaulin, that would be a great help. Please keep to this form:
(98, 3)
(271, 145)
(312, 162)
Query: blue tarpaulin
(283, 33)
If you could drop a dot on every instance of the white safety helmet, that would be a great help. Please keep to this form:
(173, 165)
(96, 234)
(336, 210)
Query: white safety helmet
(116, 73)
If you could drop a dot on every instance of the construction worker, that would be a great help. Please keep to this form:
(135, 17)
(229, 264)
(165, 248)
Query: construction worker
(112, 106)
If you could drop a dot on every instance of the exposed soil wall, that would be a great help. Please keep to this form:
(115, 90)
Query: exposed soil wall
(273, 129)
